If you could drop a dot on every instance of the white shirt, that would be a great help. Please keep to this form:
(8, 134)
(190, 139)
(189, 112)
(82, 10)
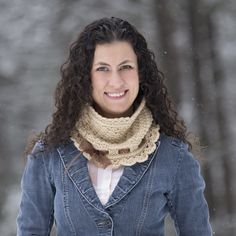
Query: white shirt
(104, 180)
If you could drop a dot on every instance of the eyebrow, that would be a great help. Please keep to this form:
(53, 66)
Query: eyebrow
(106, 64)
(102, 64)
(125, 61)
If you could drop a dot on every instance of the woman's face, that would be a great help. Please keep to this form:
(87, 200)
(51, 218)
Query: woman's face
(115, 80)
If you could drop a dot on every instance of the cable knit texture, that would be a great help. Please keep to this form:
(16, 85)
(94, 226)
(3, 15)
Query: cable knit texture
(123, 141)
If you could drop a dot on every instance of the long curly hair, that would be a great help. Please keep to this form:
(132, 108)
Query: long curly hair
(74, 89)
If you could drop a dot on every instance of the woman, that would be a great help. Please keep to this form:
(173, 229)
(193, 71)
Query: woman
(115, 159)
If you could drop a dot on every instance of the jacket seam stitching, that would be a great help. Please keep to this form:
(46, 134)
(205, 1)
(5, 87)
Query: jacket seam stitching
(145, 205)
(172, 205)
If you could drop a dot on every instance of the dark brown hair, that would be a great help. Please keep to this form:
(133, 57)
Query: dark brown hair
(74, 89)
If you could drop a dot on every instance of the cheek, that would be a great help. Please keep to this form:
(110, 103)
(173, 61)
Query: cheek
(98, 85)
(94, 81)
(133, 79)
(99, 78)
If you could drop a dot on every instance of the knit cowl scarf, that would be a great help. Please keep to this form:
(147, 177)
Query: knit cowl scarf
(116, 141)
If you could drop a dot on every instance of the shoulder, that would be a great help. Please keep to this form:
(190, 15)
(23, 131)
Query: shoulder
(172, 142)
(52, 154)
(38, 160)
(45, 161)
(42, 155)
(172, 148)
(39, 147)
(174, 162)
(173, 154)
(42, 149)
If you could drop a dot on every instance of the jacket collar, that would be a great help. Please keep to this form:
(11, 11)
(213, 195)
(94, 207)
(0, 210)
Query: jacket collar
(75, 165)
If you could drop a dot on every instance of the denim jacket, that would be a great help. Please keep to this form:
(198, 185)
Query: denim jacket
(56, 187)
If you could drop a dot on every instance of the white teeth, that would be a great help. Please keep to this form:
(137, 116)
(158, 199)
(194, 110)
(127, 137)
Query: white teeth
(115, 95)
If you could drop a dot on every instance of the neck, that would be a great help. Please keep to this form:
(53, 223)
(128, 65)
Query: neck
(127, 113)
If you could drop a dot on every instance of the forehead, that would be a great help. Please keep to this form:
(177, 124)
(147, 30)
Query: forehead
(117, 50)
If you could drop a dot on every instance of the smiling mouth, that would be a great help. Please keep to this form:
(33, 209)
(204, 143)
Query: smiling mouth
(116, 95)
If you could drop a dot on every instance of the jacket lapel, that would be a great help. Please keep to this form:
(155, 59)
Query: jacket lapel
(130, 178)
(75, 165)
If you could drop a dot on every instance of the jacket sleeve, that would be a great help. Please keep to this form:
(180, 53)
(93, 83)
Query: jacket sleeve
(189, 208)
(36, 208)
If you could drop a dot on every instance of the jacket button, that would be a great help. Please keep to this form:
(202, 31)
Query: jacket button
(103, 223)
(108, 223)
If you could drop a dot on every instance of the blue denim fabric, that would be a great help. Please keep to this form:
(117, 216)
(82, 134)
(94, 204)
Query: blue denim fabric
(56, 186)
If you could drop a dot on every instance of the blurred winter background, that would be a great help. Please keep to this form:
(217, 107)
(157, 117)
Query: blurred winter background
(194, 43)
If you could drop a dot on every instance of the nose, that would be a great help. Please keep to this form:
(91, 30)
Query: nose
(116, 80)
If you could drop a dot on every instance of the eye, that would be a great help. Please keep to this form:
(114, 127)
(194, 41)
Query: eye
(102, 68)
(126, 67)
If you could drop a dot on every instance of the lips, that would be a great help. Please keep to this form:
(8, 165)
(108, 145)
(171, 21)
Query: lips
(116, 95)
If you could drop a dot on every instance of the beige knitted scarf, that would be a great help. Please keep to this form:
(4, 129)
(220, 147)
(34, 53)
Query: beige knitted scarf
(116, 141)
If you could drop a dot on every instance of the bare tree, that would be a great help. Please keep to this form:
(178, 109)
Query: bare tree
(170, 57)
(224, 139)
(199, 56)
